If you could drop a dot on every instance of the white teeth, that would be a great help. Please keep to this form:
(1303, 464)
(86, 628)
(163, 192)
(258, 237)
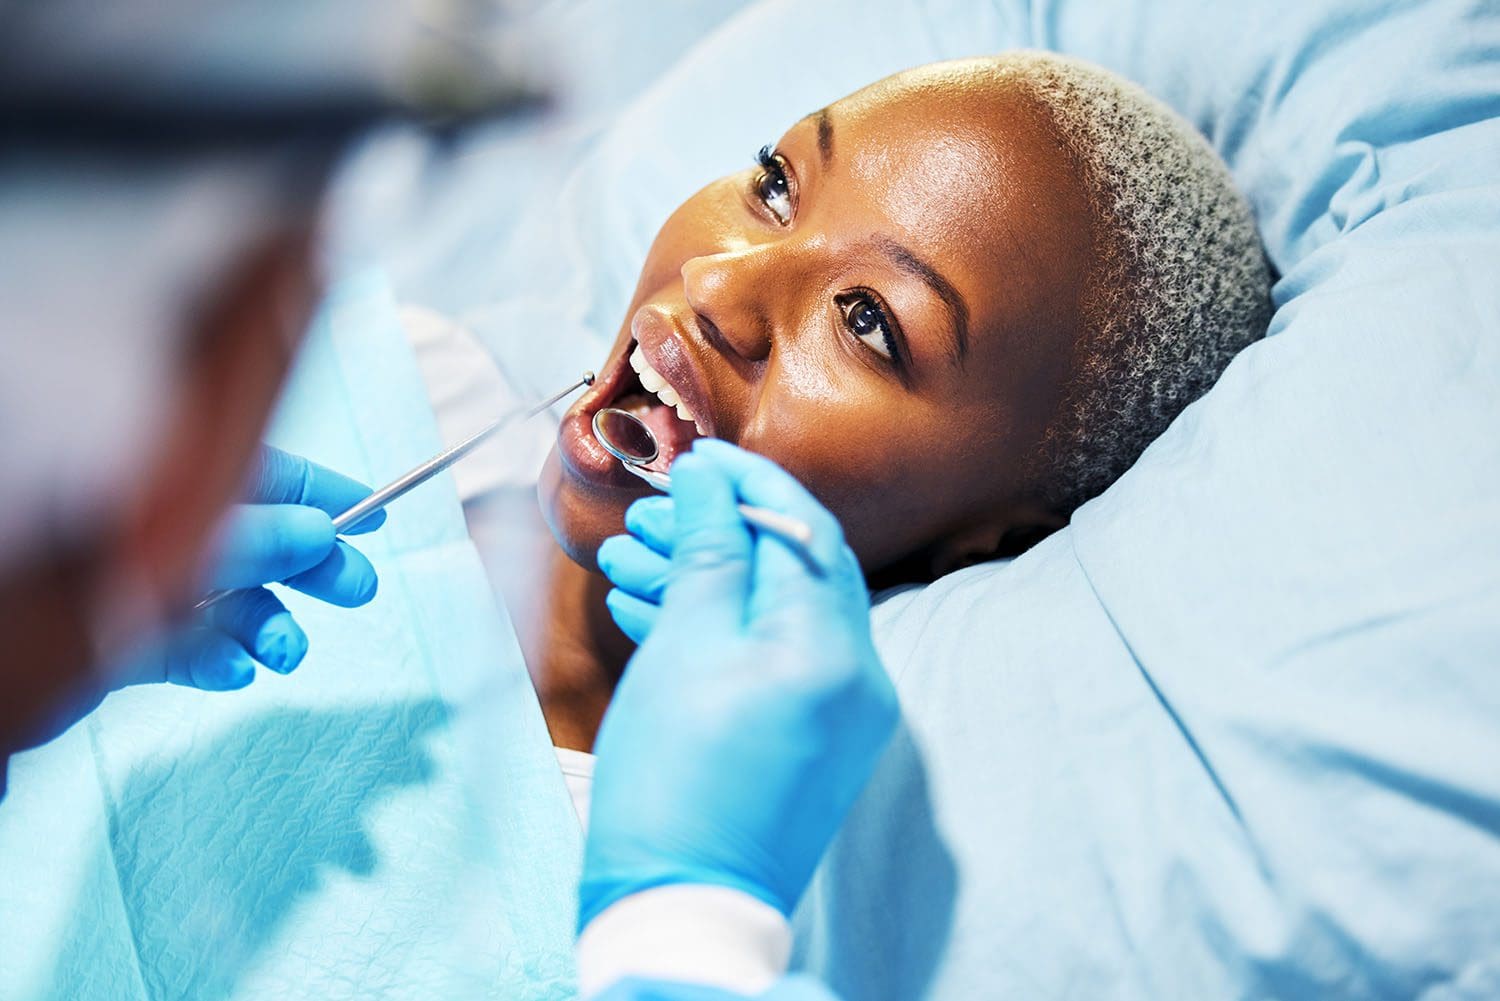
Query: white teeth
(653, 381)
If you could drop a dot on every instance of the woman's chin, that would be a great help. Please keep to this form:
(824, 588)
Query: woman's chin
(579, 520)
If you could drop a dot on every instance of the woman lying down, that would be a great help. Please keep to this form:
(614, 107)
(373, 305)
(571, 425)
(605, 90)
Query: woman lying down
(956, 305)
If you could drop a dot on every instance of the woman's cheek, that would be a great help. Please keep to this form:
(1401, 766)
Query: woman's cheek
(700, 226)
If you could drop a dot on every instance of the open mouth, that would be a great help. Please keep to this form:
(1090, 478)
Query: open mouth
(634, 385)
(646, 393)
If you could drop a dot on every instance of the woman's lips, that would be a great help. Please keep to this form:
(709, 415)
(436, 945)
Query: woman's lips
(665, 346)
(579, 449)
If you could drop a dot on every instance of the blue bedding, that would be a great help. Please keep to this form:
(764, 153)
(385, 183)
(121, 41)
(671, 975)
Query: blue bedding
(1234, 732)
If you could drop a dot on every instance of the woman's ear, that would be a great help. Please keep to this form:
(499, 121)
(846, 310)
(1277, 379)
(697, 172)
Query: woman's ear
(1006, 536)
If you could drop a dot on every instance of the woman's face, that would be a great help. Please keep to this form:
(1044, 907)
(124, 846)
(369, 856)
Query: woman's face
(885, 304)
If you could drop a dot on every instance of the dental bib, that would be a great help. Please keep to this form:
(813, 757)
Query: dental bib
(388, 821)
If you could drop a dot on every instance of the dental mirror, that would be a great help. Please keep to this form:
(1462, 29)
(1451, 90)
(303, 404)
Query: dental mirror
(626, 437)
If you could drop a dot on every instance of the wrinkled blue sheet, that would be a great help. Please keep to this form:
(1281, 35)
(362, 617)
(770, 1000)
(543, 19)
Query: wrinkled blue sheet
(388, 821)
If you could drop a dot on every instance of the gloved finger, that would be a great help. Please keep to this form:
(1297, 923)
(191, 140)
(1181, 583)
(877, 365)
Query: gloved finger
(711, 556)
(344, 578)
(200, 657)
(634, 567)
(634, 616)
(784, 585)
(283, 478)
(260, 543)
(759, 481)
(788, 594)
(259, 622)
(653, 520)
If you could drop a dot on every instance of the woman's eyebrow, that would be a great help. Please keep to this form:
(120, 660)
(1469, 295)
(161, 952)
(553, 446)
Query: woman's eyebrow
(824, 124)
(958, 309)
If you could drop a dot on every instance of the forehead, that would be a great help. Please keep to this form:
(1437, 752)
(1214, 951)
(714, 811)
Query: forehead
(933, 148)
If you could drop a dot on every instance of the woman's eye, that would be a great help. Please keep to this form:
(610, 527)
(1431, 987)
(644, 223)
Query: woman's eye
(773, 187)
(867, 321)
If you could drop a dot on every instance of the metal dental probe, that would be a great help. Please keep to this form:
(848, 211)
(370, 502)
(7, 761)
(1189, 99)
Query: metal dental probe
(426, 471)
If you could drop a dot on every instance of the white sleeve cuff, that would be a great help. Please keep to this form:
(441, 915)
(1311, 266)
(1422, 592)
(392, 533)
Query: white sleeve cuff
(709, 935)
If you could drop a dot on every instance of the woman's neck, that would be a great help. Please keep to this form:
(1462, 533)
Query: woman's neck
(573, 650)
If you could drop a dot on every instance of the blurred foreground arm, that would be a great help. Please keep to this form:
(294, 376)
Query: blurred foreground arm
(743, 730)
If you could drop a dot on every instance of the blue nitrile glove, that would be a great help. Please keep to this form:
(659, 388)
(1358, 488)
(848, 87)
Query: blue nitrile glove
(638, 565)
(284, 534)
(754, 711)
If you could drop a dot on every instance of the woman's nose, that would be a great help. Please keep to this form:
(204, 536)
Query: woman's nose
(729, 293)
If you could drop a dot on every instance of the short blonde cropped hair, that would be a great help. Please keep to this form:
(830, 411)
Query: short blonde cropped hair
(1180, 284)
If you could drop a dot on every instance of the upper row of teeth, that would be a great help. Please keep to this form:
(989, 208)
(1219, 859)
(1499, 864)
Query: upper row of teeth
(658, 386)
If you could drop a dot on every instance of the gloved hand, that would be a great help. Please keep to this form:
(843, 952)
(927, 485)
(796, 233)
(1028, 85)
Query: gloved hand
(285, 534)
(755, 709)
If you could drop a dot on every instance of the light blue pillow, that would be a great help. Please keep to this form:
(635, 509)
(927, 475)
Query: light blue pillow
(1236, 732)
